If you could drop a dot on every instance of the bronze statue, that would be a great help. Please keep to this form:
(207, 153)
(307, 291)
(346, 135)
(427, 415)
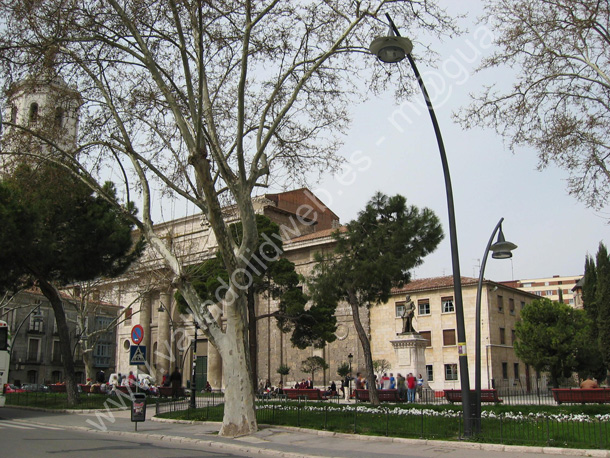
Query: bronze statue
(407, 316)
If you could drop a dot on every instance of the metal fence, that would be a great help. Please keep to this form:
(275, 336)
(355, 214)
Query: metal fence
(530, 430)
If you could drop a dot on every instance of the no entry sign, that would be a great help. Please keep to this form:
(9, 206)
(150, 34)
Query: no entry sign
(137, 334)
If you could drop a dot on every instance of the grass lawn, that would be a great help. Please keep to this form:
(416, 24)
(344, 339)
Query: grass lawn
(562, 426)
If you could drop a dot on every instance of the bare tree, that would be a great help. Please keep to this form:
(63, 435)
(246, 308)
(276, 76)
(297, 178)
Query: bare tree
(559, 102)
(205, 102)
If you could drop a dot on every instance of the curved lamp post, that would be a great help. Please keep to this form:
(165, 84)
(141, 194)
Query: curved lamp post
(393, 49)
(193, 403)
(500, 250)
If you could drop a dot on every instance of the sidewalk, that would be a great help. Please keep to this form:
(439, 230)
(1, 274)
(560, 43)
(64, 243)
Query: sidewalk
(281, 441)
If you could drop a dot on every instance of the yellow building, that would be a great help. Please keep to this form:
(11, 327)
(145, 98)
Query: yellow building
(435, 320)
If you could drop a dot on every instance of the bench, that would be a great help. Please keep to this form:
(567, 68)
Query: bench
(166, 391)
(581, 395)
(312, 395)
(486, 396)
(383, 395)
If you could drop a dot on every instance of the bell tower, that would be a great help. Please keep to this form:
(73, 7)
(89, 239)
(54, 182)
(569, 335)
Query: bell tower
(40, 116)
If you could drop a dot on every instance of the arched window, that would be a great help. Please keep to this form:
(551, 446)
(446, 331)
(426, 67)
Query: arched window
(33, 113)
(59, 117)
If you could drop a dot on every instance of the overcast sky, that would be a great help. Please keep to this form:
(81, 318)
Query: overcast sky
(553, 231)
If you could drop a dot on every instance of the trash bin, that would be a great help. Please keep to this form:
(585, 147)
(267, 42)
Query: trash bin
(138, 407)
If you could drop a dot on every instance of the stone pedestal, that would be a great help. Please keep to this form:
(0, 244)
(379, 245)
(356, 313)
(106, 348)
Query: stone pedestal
(410, 353)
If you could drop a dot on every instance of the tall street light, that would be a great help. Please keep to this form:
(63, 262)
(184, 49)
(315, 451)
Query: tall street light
(500, 250)
(393, 49)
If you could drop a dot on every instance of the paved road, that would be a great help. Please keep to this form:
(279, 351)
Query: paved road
(71, 434)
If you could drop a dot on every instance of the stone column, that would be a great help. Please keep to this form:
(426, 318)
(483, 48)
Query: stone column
(164, 339)
(144, 321)
(410, 353)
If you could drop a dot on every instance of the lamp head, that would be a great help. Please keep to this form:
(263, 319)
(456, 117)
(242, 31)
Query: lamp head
(391, 49)
(502, 249)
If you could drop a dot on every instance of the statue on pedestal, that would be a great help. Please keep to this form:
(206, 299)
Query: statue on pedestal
(407, 316)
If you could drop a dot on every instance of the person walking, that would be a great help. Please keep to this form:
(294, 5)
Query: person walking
(176, 381)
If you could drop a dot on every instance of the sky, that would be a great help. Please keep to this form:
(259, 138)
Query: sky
(399, 155)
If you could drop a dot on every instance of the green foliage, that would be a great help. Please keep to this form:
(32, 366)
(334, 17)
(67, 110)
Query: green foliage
(591, 362)
(343, 370)
(547, 336)
(55, 228)
(271, 275)
(376, 253)
(283, 369)
(602, 301)
(313, 364)
(381, 365)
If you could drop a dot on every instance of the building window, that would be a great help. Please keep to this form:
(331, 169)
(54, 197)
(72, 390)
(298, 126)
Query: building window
(400, 309)
(428, 336)
(511, 306)
(36, 322)
(502, 336)
(447, 304)
(423, 306)
(513, 336)
(56, 377)
(128, 314)
(430, 372)
(548, 293)
(451, 372)
(505, 371)
(522, 304)
(500, 304)
(57, 351)
(59, 117)
(448, 337)
(32, 376)
(33, 117)
(516, 369)
(34, 350)
(538, 293)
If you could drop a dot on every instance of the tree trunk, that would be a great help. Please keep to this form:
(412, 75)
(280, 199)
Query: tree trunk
(366, 347)
(239, 414)
(51, 293)
(88, 360)
(252, 337)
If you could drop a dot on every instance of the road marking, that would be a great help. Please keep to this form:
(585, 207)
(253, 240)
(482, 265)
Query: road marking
(19, 425)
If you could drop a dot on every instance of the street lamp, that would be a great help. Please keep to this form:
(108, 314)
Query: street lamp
(194, 374)
(394, 49)
(350, 357)
(500, 250)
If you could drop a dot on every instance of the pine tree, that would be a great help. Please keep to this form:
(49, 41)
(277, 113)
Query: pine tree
(602, 300)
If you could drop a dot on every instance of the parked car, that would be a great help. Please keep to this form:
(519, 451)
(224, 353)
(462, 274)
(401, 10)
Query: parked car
(35, 387)
(8, 388)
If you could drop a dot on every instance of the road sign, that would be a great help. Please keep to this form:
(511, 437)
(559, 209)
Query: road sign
(137, 334)
(137, 355)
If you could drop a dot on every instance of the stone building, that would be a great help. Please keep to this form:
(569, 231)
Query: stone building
(169, 336)
(35, 351)
(435, 321)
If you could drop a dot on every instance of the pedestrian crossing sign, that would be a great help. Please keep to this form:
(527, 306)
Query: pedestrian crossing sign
(137, 355)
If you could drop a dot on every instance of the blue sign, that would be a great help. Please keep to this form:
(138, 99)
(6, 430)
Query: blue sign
(137, 355)
(137, 334)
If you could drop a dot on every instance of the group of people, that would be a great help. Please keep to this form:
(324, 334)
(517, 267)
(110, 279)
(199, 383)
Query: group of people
(407, 386)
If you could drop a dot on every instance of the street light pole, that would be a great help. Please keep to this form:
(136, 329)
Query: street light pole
(500, 250)
(193, 404)
(392, 50)
(350, 357)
